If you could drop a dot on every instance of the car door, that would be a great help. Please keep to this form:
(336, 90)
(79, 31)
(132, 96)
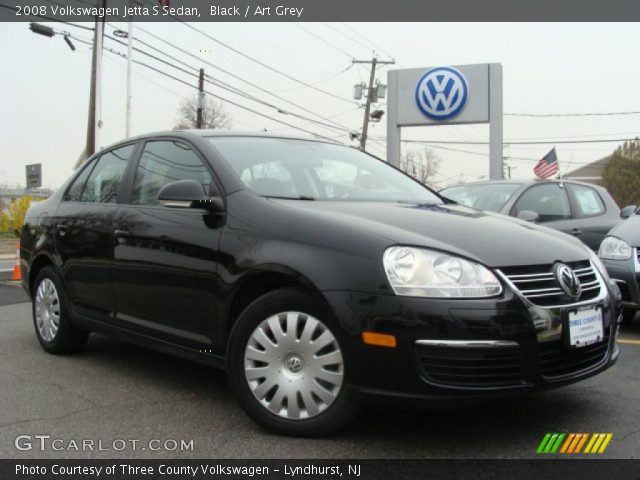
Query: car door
(83, 237)
(592, 222)
(166, 258)
(551, 202)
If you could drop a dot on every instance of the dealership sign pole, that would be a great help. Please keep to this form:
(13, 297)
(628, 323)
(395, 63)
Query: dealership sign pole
(446, 95)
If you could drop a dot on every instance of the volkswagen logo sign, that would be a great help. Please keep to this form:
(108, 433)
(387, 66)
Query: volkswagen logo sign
(442, 93)
(568, 280)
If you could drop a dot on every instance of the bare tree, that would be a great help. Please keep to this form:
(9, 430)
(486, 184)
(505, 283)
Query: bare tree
(214, 115)
(421, 165)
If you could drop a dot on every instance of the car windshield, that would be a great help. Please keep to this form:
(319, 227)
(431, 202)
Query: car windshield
(309, 170)
(489, 197)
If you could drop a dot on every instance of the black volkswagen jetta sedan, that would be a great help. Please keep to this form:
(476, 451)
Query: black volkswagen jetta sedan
(316, 274)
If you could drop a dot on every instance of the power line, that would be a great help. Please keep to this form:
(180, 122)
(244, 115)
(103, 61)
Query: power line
(258, 62)
(228, 88)
(366, 39)
(219, 97)
(296, 24)
(268, 67)
(258, 87)
(445, 142)
(584, 114)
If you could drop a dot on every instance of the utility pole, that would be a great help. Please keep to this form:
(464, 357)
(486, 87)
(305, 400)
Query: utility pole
(371, 96)
(129, 51)
(95, 87)
(200, 99)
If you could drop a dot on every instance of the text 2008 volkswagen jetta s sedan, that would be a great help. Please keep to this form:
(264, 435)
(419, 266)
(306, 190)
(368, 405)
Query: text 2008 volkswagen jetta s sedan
(314, 273)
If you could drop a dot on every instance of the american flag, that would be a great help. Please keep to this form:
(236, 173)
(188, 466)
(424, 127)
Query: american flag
(547, 166)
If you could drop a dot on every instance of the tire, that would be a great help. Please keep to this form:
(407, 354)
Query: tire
(628, 316)
(54, 329)
(303, 393)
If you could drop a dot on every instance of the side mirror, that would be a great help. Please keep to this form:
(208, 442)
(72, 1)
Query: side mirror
(628, 211)
(187, 194)
(528, 216)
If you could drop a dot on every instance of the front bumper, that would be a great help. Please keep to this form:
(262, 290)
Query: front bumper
(531, 354)
(626, 273)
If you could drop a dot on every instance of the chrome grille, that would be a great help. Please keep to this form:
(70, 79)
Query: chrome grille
(540, 286)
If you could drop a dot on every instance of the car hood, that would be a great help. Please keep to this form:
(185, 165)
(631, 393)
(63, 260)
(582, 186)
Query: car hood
(629, 231)
(489, 238)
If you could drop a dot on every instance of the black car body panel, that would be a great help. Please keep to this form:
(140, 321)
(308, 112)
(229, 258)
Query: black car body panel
(176, 279)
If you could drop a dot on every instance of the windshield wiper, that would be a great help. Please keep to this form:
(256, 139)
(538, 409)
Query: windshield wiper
(300, 197)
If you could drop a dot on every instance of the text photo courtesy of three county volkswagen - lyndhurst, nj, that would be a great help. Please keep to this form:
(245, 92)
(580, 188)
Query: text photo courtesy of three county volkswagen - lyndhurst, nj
(326, 244)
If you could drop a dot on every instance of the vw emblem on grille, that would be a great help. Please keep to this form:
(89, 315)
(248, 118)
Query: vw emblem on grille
(442, 93)
(293, 364)
(568, 280)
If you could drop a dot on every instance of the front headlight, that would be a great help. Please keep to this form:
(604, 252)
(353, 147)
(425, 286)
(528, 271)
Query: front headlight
(613, 248)
(418, 272)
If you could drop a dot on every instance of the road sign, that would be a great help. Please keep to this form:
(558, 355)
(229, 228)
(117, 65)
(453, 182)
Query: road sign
(34, 175)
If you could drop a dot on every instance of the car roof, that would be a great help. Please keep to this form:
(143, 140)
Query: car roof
(524, 182)
(203, 133)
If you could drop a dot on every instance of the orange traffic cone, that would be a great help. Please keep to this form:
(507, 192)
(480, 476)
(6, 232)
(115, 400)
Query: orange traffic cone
(17, 275)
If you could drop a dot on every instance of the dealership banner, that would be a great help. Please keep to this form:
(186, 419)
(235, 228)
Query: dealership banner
(320, 11)
(118, 469)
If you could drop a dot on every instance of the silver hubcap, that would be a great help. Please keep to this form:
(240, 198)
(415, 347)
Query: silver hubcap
(47, 307)
(293, 365)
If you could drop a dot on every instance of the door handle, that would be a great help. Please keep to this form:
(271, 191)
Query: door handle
(576, 232)
(121, 232)
(61, 229)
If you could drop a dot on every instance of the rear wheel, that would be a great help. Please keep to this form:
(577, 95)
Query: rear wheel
(53, 326)
(287, 367)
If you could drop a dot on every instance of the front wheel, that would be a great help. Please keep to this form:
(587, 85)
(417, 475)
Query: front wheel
(53, 326)
(287, 367)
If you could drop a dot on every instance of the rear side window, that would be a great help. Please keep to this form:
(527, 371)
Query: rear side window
(163, 162)
(588, 201)
(100, 182)
(548, 200)
(75, 190)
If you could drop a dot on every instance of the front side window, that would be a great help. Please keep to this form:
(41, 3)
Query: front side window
(588, 201)
(163, 162)
(549, 201)
(302, 169)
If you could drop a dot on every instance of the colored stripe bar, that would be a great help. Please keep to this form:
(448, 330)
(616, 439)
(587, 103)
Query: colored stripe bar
(550, 443)
(575, 442)
(567, 442)
(605, 443)
(582, 441)
(556, 446)
(592, 441)
(543, 443)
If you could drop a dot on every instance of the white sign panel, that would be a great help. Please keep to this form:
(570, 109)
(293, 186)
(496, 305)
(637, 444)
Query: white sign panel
(446, 95)
(443, 95)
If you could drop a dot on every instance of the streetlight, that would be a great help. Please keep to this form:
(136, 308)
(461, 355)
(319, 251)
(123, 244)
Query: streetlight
(47, 31)
(94, 87)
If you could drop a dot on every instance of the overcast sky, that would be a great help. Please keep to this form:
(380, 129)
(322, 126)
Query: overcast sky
(547, 68)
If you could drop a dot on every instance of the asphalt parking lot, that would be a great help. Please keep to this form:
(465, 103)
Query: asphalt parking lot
(116, 391)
